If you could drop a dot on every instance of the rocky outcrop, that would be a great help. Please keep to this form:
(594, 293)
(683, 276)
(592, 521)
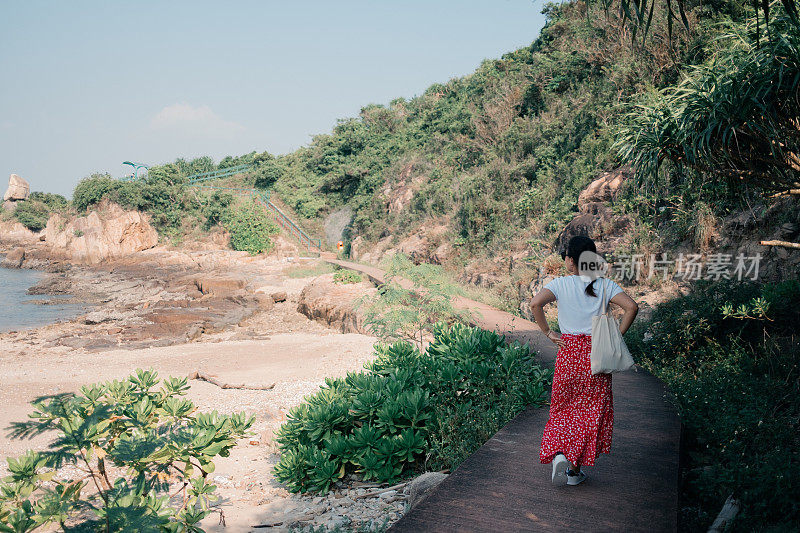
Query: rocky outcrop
(105, 233)
(595, 218)
(219, 286)
(14, 258)
(398, 192)
(427, 244)
(335, 304)
(16, 233)
(18, 189)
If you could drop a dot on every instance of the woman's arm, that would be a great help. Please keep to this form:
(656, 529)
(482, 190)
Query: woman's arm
(544, 297)
(630, 307)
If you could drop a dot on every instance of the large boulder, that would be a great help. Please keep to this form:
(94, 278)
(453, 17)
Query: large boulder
(335, 304)
(12, 232)
(107, 232)
(604, 188)
(18, 189)
(14, 258)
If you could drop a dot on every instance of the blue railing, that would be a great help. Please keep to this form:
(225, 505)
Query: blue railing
(288, 224)
(280, 217)
(216, 174)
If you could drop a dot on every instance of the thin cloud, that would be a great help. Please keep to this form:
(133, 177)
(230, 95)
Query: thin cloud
(195, 119)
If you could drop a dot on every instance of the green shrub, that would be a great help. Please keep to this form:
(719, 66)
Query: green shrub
(32, 214)
(215, 208)
(153, 438)
(729, 353)
(54, 202)
(251, 228)
(89, 191)
(409, 411)
(347, 276)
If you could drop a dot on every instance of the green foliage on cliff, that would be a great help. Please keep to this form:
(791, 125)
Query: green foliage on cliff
(501, 153)
(409, 411)
(32, 214)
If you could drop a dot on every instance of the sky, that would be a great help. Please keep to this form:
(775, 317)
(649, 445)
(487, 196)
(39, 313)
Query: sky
(89, 84)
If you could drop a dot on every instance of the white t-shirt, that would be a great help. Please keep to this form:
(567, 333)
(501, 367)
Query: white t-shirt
(575, 307)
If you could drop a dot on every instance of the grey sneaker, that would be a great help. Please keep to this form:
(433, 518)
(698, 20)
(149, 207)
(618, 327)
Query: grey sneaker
(560, 465)
(574, 478)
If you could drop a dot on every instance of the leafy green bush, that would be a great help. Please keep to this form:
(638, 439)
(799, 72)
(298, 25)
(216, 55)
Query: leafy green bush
(251, 228)
(409, 410)
(133, 444)
(347, 276)
(215, 208)
(54, 202)
(730, 355)
(32, 214)
(89, 191)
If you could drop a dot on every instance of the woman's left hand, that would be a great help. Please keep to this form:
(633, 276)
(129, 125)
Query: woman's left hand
(555, 337)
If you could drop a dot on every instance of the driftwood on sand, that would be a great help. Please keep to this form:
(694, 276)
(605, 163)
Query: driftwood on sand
(222, 385)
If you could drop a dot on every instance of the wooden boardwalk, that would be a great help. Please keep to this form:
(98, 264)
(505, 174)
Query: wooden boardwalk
(503, 488)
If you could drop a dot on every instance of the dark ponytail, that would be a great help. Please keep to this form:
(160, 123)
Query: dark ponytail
(576, 246)
(590, 289)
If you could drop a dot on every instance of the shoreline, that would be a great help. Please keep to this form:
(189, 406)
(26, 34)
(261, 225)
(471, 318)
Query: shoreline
(180, 311)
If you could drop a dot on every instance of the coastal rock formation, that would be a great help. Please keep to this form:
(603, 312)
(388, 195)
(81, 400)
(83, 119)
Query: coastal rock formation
(107, 232)
(12, 232)
(14, 258)
(18, 189)
(335, 304)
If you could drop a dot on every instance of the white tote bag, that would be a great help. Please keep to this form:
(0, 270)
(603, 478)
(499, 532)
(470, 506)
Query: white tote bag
(609, 352)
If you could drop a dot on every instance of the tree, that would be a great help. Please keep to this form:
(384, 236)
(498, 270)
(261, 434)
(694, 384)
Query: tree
(136, 447)
(410, 302)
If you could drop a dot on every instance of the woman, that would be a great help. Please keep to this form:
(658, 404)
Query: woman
(581, 404)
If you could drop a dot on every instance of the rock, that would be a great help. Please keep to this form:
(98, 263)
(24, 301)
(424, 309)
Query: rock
(603, 189)
(194, 332)
(583, 224)
(422, 485)
(334, 304)
(219, 286)
(386, 495)
(16, 233)
(789, 230)
(279, 296)
(18, 189)
(265, 302)
(14, 258)
(107, 232)
(98, 317)
(441, 254)
(335, 224)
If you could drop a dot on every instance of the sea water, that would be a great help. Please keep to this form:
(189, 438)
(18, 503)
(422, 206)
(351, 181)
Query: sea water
(19, 310)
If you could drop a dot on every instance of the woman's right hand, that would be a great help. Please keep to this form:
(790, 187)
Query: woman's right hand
(555, 337)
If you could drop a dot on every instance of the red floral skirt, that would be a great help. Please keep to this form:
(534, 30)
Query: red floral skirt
(581, 406)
